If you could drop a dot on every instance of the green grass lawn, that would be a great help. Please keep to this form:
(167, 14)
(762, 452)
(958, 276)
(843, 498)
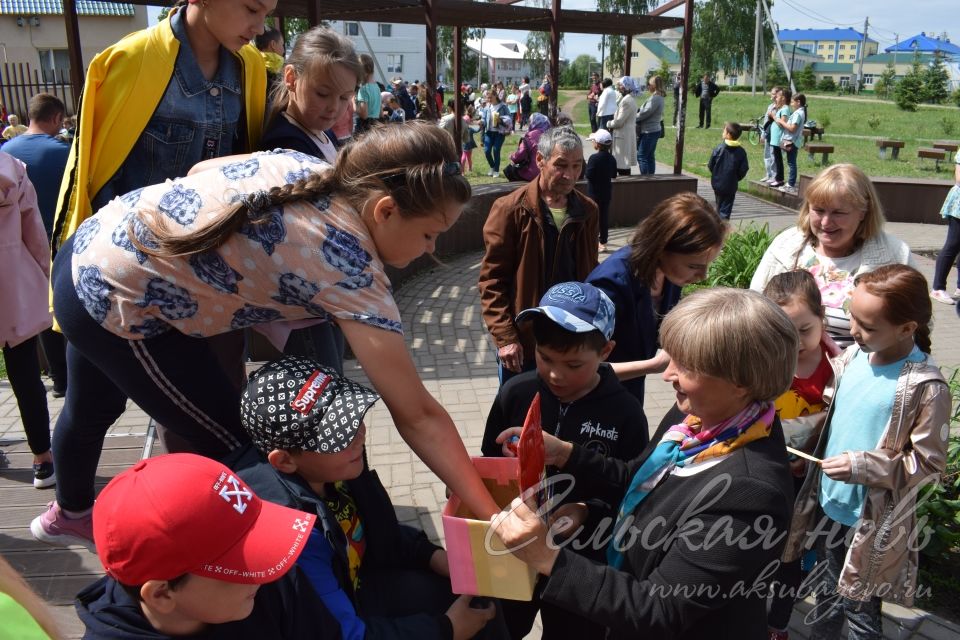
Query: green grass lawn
(845, 118)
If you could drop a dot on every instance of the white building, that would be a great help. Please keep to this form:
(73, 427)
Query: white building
(503, 59)
(399, 49)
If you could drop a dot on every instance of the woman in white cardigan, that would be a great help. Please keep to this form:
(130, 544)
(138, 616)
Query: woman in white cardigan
(839, 235)
(623, 126)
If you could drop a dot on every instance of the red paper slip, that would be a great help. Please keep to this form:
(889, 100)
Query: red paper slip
(531, 453)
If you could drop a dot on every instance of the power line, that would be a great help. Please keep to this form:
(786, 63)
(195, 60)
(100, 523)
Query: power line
(815, 16)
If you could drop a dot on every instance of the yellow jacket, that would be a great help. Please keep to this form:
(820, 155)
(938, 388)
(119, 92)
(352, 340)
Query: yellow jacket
(125, 83)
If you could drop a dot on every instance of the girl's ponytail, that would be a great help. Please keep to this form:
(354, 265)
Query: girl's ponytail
(416, 164)
(905, 296)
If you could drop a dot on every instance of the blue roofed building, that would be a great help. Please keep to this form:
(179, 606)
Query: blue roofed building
(832, 45)
(923, 43)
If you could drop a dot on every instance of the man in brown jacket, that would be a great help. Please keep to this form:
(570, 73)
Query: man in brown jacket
(543, 233)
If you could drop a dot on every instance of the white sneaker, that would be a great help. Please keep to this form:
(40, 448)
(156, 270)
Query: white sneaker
(490, 173)
(941, 296)
(495, 174)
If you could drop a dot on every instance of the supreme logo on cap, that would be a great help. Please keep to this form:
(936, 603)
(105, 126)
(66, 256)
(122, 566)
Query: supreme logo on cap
(310, 392)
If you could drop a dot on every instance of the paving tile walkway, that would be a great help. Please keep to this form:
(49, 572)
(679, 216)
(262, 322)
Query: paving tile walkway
(447, 340)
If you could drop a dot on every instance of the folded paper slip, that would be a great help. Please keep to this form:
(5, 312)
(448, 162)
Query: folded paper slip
(479, 563)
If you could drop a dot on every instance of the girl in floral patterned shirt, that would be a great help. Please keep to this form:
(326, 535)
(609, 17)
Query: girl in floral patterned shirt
(250, 240)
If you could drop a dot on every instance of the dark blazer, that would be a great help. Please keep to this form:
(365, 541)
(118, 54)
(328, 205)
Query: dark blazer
(679, 579)
(280, 134)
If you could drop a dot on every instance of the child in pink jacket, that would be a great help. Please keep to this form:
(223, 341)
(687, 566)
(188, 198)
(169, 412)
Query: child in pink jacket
(24, 307)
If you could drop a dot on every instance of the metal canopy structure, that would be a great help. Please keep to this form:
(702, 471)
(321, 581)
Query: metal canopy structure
(459, 14)
(488, 15)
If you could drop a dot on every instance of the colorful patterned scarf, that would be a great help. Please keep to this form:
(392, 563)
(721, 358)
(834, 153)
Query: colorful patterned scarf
(683, 444)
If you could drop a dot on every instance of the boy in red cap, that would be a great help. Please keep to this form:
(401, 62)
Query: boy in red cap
(190, 550)
(378, 578)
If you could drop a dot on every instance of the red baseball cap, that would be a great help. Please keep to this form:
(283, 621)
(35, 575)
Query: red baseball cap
(183, 513)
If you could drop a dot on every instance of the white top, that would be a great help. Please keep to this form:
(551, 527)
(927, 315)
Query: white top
(607, 103)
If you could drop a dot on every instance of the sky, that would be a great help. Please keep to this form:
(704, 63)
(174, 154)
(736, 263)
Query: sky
(886, 20)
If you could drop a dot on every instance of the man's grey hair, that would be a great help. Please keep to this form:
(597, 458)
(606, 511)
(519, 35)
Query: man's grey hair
(563, 137)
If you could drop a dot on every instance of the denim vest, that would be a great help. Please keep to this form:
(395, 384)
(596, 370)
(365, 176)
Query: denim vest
(196, 120)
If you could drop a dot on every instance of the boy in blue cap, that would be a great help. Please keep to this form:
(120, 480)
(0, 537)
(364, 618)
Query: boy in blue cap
(581, 401)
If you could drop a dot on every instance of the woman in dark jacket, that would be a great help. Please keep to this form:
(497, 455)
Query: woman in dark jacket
(702, 516)
(671, 247)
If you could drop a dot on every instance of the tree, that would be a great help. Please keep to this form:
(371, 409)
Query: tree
(577, 73)
(805, 79)
(616, 45)
(936, 81)
(776, 76)
(887, 82)
(664, 72)
(827, 84)
(445, 51)
(723, 33)
(909, 90)
(538, 54)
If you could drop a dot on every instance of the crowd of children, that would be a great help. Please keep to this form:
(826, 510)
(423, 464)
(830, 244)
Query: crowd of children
(285, 531)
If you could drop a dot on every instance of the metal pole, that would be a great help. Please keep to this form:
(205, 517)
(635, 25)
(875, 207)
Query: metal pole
(684, 82)
(776, 41)
(627, 54)
(457, 81)
(555, 59)
(756, 53)
(430, 103)
(603, 53)
(73, 47)
(863, 52)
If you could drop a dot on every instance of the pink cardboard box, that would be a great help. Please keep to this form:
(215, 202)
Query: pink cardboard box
(480, 565)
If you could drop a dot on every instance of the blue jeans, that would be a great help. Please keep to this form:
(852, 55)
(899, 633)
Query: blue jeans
(768, 163)
(792, 165)
(175, 379)
(492, 141)
(646, 147)
(863, 618)
(948, 256)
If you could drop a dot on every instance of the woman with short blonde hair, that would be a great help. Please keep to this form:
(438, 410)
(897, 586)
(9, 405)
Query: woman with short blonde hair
(702, 514)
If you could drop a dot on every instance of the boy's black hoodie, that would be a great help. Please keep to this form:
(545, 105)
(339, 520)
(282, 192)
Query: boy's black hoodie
(287, 609)
(609, 419)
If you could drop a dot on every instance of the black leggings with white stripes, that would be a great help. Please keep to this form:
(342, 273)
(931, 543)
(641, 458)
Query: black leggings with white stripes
(175, 379)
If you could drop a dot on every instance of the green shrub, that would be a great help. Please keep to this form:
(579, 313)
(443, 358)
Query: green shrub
(941, 506)
(939, 514)
(873, 122)
(740, 257)
(948, 125)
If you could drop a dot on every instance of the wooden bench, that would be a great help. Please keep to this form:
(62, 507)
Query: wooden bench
(946, 145)
(895, 145)
(938, 155)
(824, 149)
(809, 132)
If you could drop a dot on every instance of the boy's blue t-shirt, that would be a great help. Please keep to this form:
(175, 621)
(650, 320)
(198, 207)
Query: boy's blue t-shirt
(863, 406)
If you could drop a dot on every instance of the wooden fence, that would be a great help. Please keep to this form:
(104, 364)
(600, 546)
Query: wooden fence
(19, 83)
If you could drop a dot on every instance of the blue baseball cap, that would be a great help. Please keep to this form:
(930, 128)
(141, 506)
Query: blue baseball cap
(577, 307)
